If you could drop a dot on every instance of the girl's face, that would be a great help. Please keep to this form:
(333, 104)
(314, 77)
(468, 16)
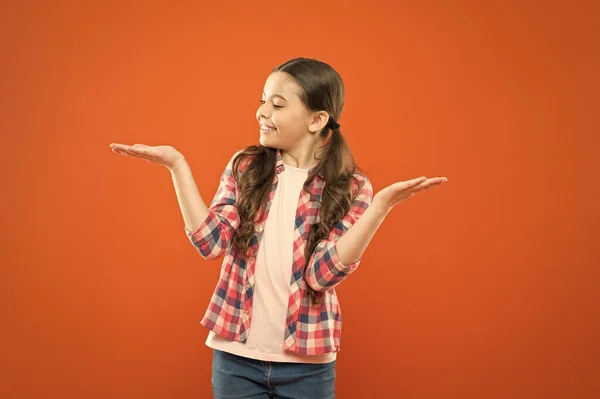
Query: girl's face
(284, 121)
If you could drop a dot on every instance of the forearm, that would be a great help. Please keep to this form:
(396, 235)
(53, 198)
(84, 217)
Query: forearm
(193, 209)
(352, 244)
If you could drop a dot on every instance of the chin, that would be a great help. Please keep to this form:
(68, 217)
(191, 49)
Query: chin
(266, 141)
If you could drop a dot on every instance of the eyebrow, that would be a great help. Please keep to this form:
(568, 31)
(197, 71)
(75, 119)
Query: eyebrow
(277, 95)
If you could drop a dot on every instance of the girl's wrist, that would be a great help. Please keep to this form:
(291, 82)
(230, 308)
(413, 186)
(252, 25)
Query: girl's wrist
(379, 209)
(178, 165)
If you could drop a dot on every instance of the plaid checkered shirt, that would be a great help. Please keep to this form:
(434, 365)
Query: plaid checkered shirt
(310, 329)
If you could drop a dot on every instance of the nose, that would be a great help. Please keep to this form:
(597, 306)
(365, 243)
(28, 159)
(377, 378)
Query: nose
(262, 112)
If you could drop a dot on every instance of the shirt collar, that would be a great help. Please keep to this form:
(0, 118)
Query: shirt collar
(280, 166)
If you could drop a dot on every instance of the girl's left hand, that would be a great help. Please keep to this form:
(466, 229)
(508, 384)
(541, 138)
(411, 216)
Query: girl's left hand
(392, 195)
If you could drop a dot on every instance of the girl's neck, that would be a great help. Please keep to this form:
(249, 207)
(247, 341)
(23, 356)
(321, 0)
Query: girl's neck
(298, 159)
(302, 157)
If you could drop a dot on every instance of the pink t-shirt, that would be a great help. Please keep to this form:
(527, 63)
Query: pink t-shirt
(273, 275)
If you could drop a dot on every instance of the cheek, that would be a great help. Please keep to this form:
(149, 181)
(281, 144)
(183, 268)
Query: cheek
(285, 121)
(278, 121)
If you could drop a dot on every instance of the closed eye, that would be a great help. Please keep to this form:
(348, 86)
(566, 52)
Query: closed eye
(274, 105)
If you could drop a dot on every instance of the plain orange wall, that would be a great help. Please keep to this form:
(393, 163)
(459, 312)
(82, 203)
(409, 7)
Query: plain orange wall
(486, 287)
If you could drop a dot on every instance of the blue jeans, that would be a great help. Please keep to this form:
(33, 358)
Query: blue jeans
(239, 377)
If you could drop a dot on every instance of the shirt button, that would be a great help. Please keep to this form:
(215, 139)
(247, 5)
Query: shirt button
(258, 228)
(246, 312)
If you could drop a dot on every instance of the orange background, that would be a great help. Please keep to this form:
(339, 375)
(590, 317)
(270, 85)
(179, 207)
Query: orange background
(486, 287)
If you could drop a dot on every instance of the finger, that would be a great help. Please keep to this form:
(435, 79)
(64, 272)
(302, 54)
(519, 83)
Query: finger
(134, 154)
(144, 156)
(415, 182)
(120, 151)
(430, 183)
(130, 150)
(126, 153)
(435, 180)
(125, 150)
(408, 184)
(119, 146)
(137, 155)
(139, 150)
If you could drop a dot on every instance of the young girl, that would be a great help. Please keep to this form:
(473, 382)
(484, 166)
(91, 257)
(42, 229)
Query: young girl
(292, 217)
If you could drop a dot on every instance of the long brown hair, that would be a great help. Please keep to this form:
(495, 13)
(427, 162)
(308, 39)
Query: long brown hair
(322, 90)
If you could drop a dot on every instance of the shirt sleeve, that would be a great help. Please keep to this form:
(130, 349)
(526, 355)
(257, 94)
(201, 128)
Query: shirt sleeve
(213, 237)
(324, 270)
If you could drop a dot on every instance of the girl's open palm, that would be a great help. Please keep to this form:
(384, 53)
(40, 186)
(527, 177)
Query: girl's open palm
(163, 154)
(394, 194)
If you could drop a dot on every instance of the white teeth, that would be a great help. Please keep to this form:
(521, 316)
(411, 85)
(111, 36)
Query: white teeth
(263, 127)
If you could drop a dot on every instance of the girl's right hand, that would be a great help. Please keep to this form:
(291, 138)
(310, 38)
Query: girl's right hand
(163, 154)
